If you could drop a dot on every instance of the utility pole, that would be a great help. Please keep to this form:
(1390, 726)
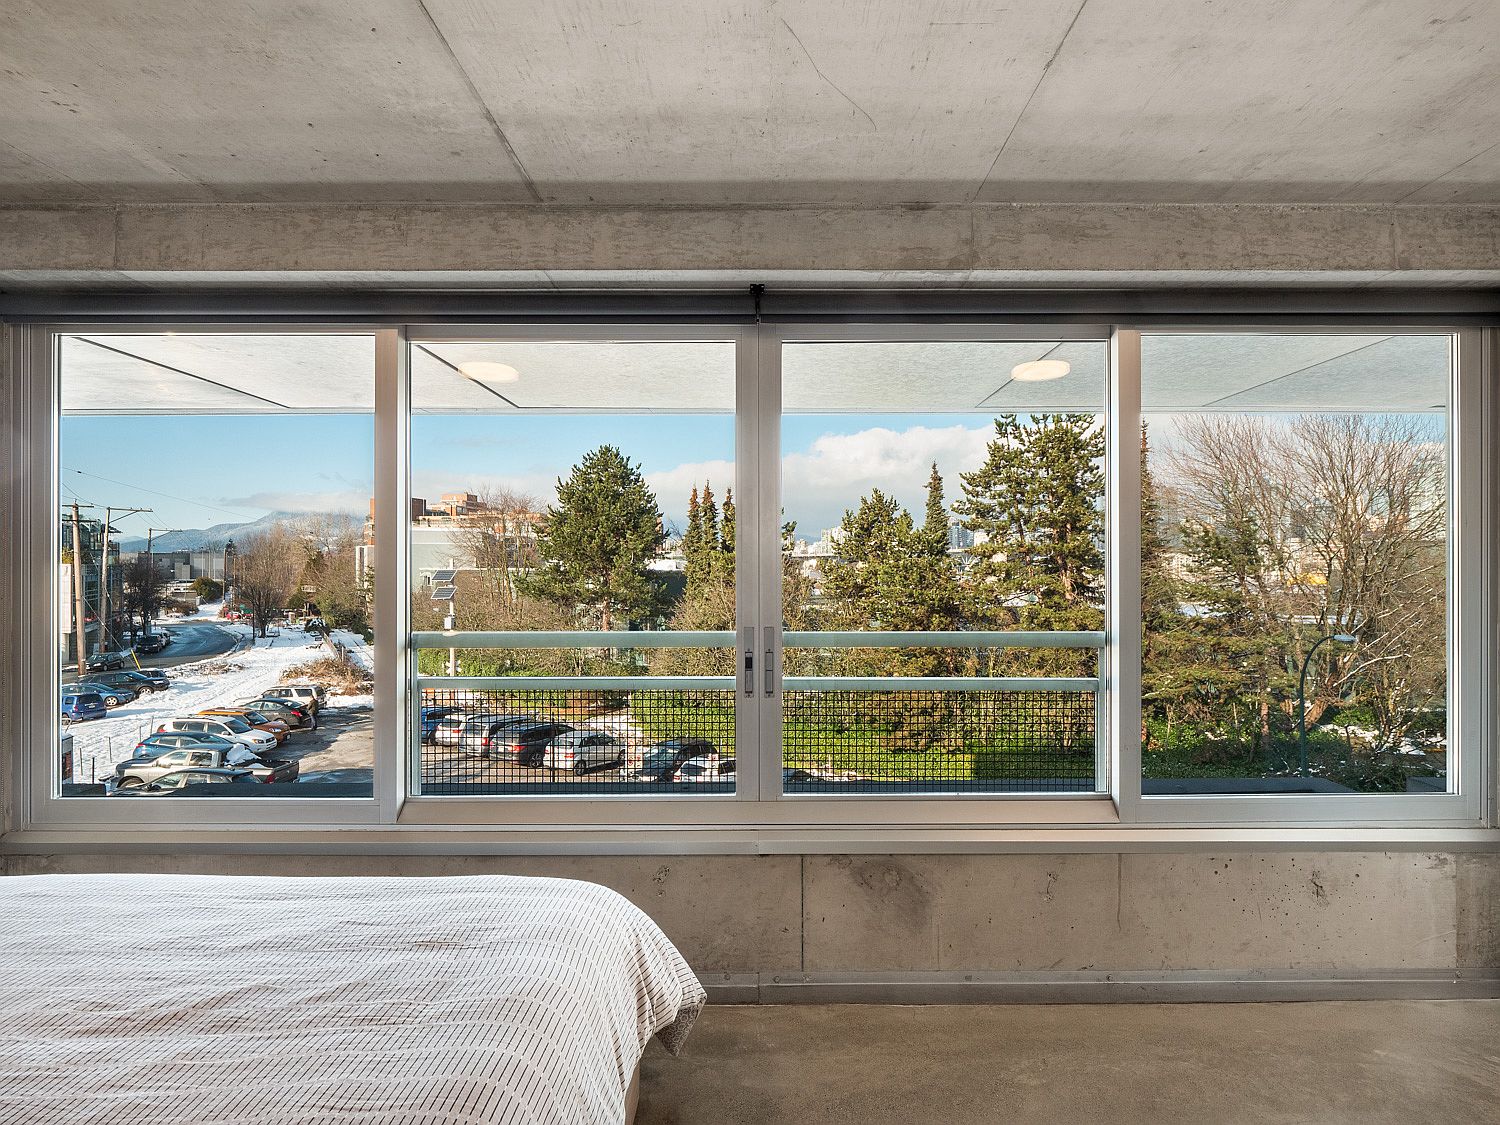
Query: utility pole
(77, 567)
(104, 639)
(151, 564)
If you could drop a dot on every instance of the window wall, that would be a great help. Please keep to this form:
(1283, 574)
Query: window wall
(573, 562)
(747, 576)
(1295, 558)
(213, 593)
(943, 577)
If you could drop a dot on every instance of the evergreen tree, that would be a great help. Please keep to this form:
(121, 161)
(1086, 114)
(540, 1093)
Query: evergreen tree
(935, 526)
(692, 538)
(1035, 504)
(727, 529)
(595, 543)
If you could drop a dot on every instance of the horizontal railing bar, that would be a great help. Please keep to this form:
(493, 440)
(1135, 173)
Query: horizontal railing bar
(618, 638)
(939, 683)
(579, 683)
(668, 638)
(949, 639)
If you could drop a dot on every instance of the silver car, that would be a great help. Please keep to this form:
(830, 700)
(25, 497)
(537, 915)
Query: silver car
(477, 731)
(583, 750)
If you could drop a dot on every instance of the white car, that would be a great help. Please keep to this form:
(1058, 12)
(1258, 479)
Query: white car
(583, 750)
(450, 728)
(225, 726)
(706, 769)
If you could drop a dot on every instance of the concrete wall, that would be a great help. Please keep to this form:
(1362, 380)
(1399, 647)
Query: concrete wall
(820, 917)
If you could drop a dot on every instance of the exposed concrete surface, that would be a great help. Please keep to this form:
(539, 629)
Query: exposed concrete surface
(723, 912)
(987, 244)
(1305, 912)
(693, 101)
(1331, 1063)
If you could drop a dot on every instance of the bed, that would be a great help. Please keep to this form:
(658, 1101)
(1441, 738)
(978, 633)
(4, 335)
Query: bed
(485, 1000)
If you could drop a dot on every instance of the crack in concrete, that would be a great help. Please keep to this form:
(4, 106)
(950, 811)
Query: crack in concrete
(825, 78)
(1040, 78)
(484, 107)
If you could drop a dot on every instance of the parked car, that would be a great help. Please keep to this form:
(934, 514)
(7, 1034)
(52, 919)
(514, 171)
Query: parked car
(449, 729)
(479, 732)
(106, 661)
(135, 681)
(431, 718)
(143, 771)
(225, 726)
(152, 643)
(313, 694)
(154, 745)
(274, 727)
(157, 677)
(78, 706)
(294, 715)
(112, 696)
(662, 759)
(523, 743)
(706, 770)
(583, 750)
(183, 782)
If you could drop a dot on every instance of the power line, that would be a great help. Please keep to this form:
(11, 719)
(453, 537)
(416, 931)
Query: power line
(241, 514)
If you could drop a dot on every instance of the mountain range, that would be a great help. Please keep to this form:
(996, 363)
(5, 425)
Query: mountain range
(213, 538)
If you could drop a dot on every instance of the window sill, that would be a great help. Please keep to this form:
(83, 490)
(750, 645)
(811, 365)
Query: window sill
(762, 839)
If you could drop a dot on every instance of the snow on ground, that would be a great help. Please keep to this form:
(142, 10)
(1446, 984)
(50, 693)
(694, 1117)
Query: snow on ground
(216, 681)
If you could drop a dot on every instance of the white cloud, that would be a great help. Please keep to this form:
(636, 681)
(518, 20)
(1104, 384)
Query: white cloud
(343, 500)
(835, 470)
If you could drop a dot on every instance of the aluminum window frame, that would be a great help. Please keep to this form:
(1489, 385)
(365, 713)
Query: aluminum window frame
(687, 821)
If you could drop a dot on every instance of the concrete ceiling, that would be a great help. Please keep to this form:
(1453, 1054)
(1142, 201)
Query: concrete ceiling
(193, 373)
(738, 101)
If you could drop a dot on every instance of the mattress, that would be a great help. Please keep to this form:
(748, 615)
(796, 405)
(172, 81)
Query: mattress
(387, 1001)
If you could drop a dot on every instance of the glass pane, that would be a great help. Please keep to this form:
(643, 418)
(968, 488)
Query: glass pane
(567, 487)
(211, 577)
(942, 488)
(1294, 563)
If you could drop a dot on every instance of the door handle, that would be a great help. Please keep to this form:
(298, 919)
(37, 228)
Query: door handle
(770, 669)
(750, 661)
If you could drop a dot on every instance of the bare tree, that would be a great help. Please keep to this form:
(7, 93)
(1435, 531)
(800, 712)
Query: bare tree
(266, 572)
(1313, 525)
(143, 596)
(500, 539)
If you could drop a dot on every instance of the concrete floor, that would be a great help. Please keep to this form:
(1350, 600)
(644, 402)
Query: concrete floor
(1376, 1061)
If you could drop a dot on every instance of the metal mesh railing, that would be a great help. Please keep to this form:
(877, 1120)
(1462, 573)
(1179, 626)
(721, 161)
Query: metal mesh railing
(938, 741)
(841, 734)
(479, 742)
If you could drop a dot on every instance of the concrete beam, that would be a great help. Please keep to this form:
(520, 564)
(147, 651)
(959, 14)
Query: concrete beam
(957, 243)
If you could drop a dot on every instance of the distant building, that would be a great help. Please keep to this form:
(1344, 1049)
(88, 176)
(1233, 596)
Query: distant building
(445, 535)
(91, 542)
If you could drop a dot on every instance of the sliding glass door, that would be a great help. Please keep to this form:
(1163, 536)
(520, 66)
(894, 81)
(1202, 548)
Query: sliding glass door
(573, 555)
(939, 555)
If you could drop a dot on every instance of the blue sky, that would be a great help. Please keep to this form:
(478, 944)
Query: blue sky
(199, 470)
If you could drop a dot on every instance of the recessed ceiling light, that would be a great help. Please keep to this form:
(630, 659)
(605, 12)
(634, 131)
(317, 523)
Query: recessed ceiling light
(1040, 370)
(487, 371)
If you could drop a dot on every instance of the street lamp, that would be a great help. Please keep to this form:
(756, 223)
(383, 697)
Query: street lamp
(1338, 638)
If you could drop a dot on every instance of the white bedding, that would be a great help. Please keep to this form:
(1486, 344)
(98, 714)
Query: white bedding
(138, 999)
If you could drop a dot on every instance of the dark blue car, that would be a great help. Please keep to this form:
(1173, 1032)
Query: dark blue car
(80, 705)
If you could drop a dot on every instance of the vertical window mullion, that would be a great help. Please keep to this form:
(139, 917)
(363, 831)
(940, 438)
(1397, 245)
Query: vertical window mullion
(1122, 655)
(392, 602)
(767, 467)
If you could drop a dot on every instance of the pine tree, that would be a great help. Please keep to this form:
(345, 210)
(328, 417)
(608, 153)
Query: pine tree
(709, 511)
(595, 543)
(1035, 504)
(727, 528)
(935, 526)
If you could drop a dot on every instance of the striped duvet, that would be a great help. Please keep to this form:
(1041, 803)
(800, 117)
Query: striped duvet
(137, 999)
